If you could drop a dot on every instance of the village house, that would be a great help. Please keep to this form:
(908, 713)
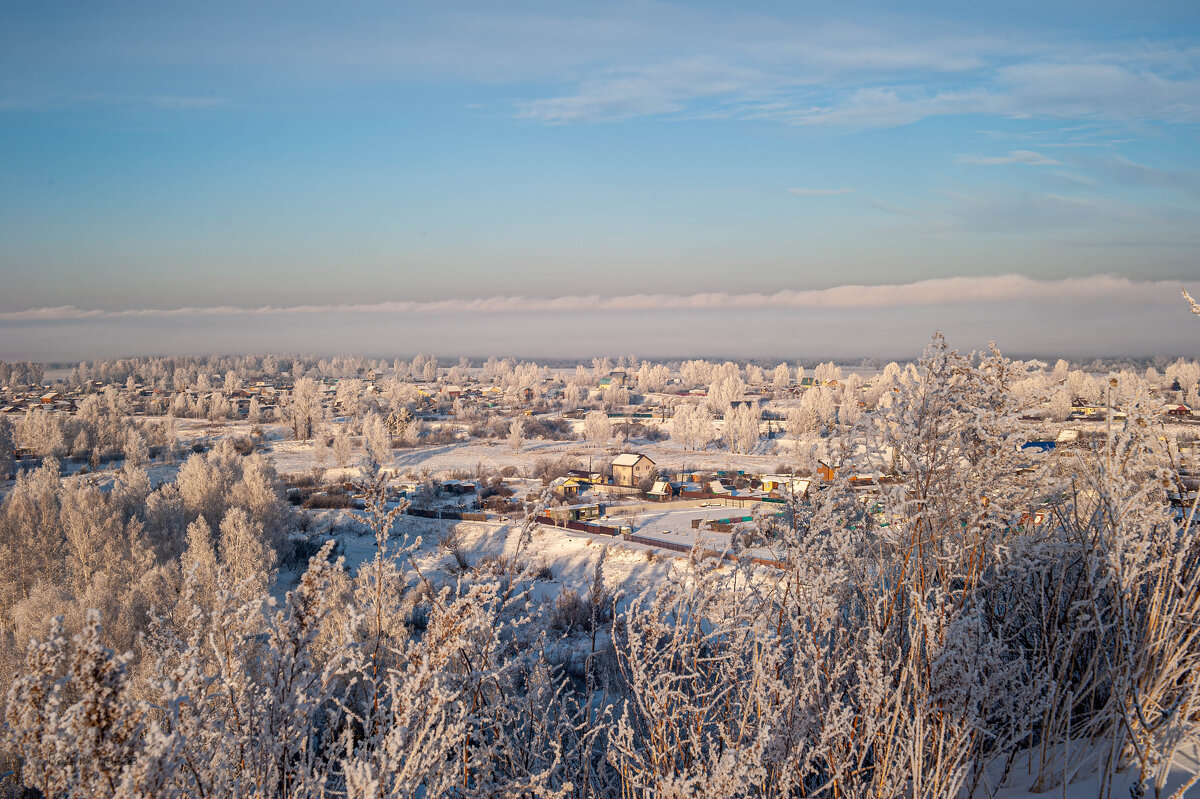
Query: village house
(574, 513)
(661, 491)
(783, 483)
(585, 477)
(565, 487)
(629, 469)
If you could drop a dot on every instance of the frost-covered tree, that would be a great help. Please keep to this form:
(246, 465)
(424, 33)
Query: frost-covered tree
(400, 397)
(817, 411)
(260, 494)
(245, 552)
(726, 388)
(616, 398)
(692, 426)
(74, 722)
(827, 372)
(652, 377)
(399, 421)
(219, 407)
(781, 378)
(304, 409)
(7, 448)
(597, 427)
(849, 412)
(682, 425)
(1083, 386)
(42, 433)
(458, 373)
(377, 441)
(82, 446)
(199, 561)
(1061, 369)
(802, 421)
(601, 366)
(210, 484)
(1194, 305)
(349, 398)
(1058, 408)
(343, 446)
(825, 405)
(696, 373)
(425, 367)
(882, 385)
(516, 434)
(741, 428)
(320, 444)
(492, 370)
(137, 454)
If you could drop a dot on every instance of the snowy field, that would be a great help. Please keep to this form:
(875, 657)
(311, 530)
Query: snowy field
(674, 526)
(298, 456)
(570, 556)
(293, 457)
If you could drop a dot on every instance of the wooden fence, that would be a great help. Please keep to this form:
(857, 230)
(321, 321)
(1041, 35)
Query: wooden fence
(712, 553)
(580, 527)
(600, 529)
(726, 500)
(457, 516)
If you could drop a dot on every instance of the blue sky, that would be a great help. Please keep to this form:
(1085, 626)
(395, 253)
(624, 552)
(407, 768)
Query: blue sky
(326, 158)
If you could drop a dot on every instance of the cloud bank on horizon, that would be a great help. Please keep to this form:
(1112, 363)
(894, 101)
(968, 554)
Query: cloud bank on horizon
(1001, 289)
(272, 162)
(1024, 315)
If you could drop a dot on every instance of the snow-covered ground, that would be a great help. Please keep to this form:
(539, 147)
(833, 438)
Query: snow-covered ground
(298, 456)
(674, 526)
(1021, 781)
(570, 556)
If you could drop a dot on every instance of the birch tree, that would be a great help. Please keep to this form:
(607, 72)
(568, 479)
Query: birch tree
(597, 427)
(304, 408)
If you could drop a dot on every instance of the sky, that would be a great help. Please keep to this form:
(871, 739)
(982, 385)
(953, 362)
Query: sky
(570, 179)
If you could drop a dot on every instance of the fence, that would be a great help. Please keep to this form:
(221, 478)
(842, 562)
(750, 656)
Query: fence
(709, 553)
(457, 516)
(724, 499)
(600, 529)
(580, 527)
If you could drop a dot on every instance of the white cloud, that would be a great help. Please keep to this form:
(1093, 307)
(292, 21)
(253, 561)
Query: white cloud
(56, 100)
(820, 192)
(947, 291)
(1025, 157)
(892, 106)
(1103, 88)
(644, 91)
(1074, 179)
(1093, 87)
(1006, 210)
(625, 60)
(896, 208)
(1124, 171)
